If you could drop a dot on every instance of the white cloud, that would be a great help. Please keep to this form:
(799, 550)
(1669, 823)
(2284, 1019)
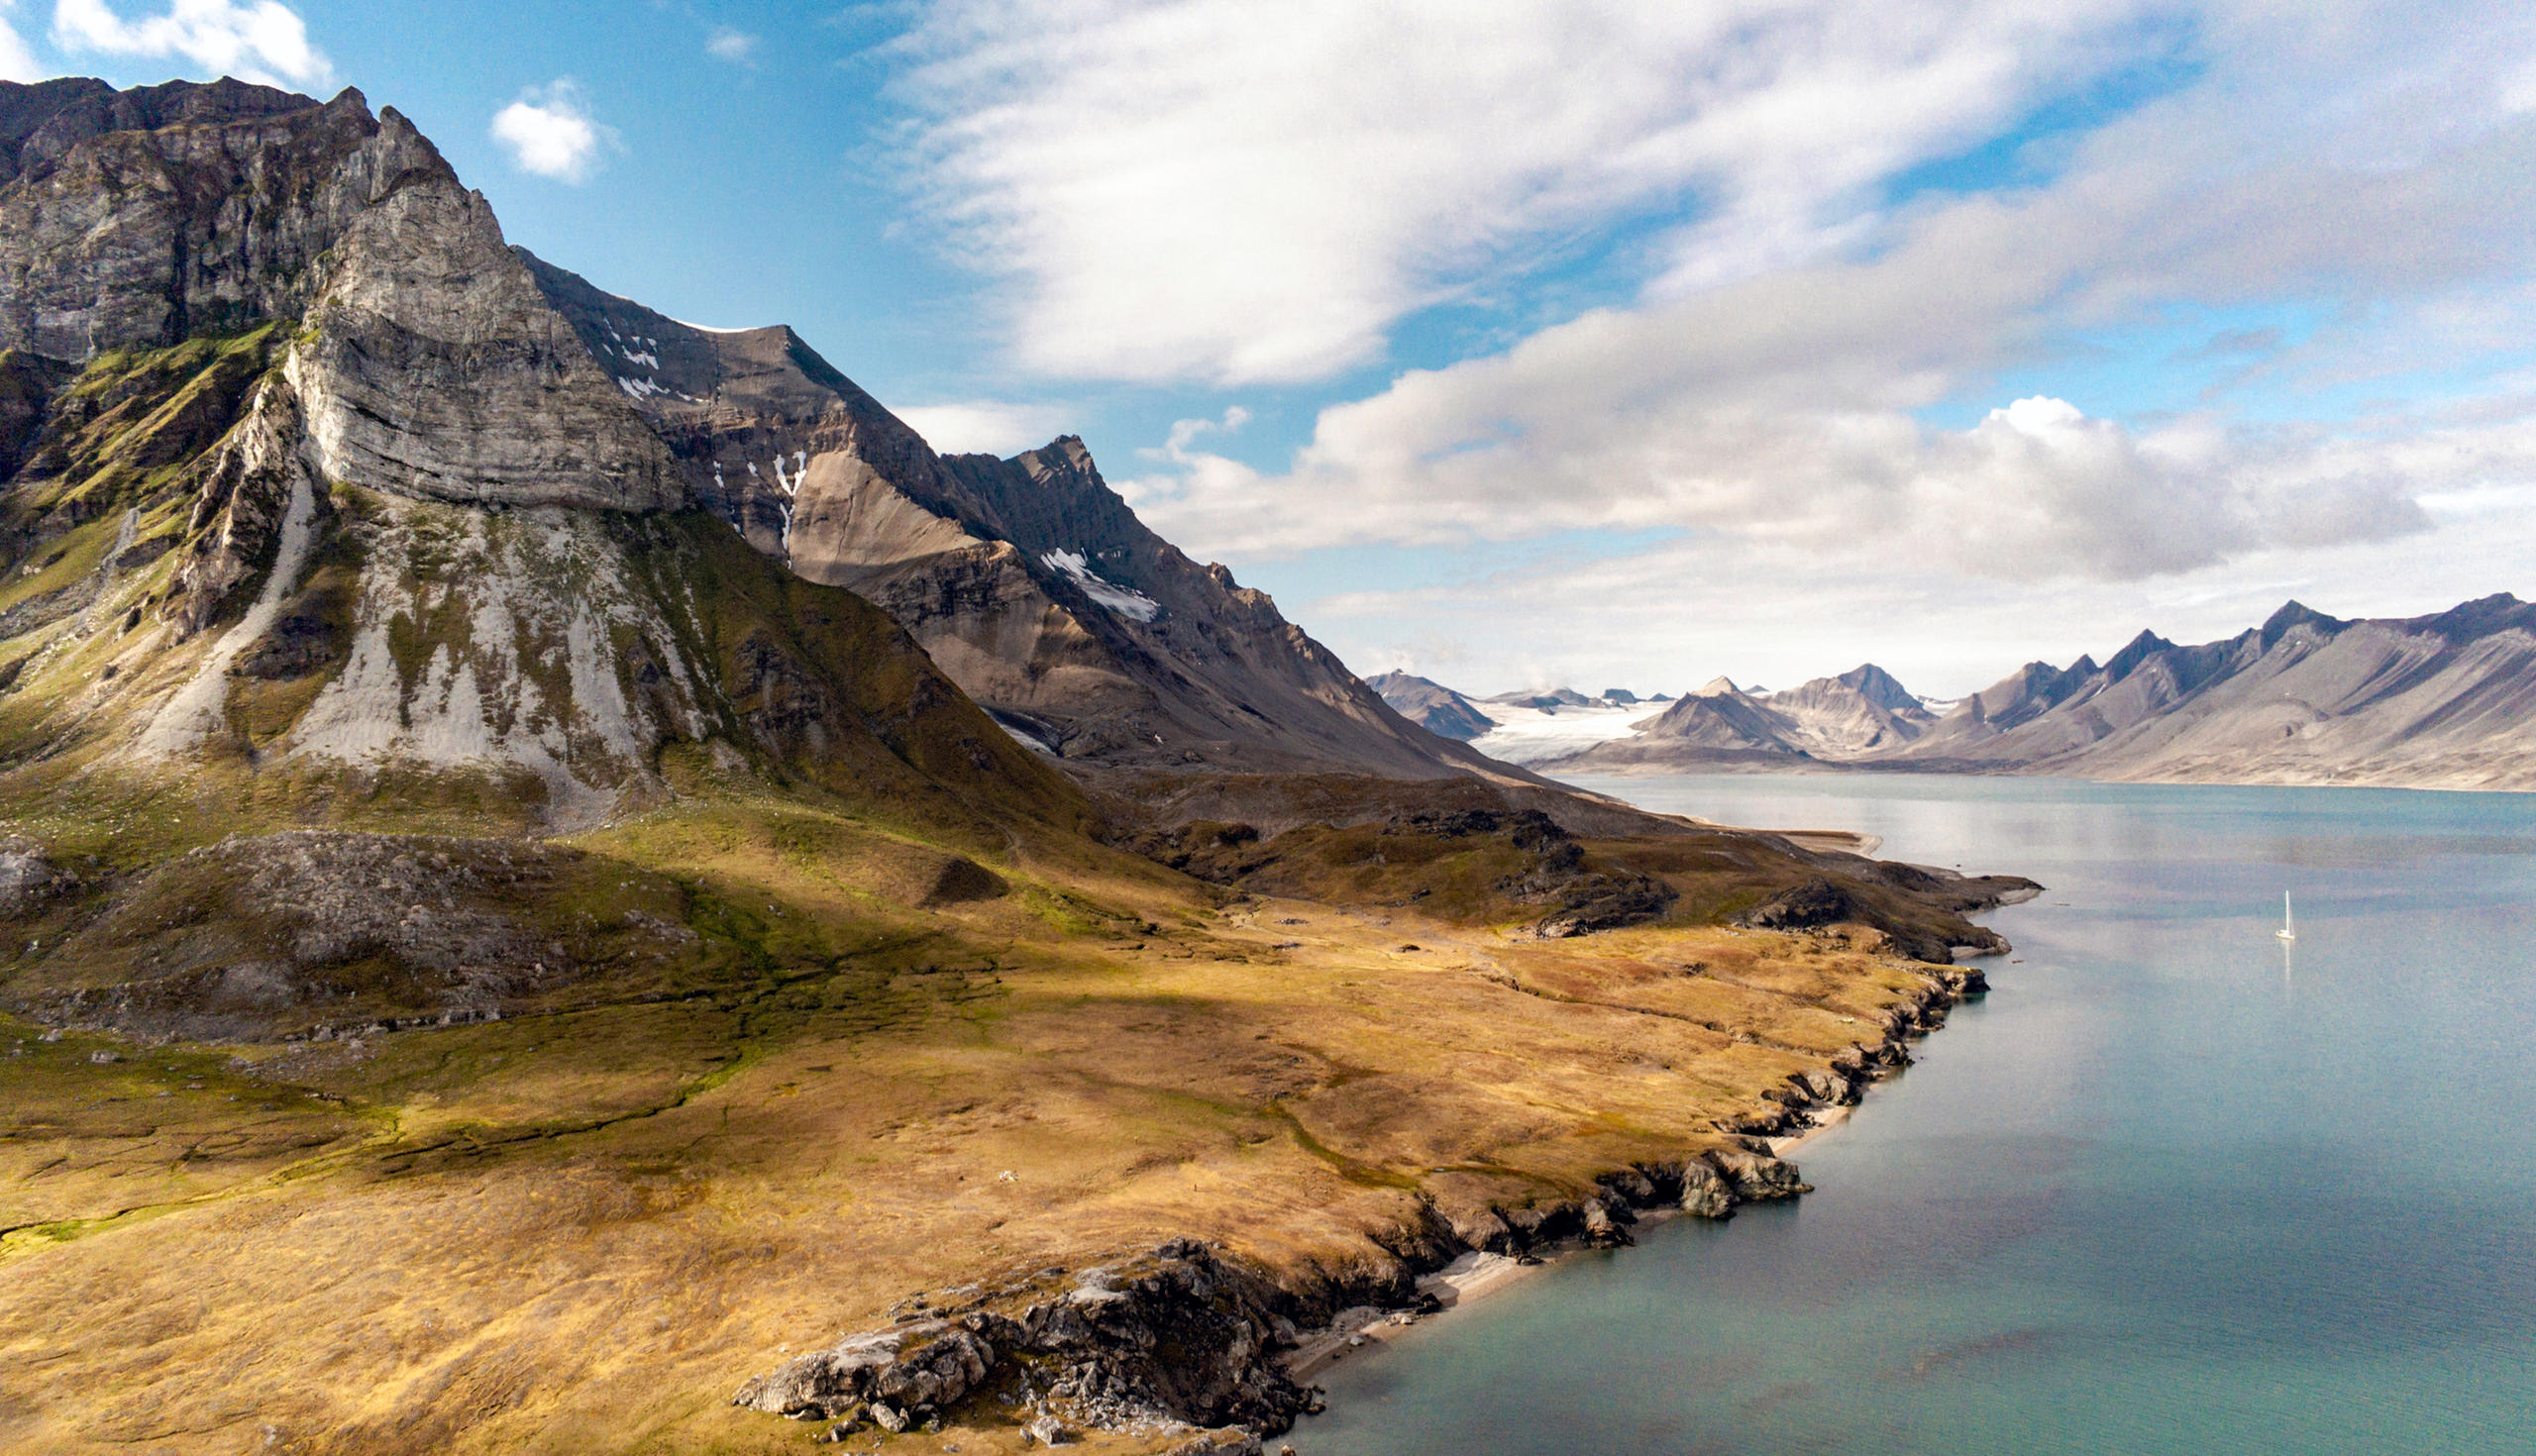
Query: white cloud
(1679, 613)
(2518, 92)
(984, 426)
(1201, 189)
(264, 42)
(549, 133)
(2367, 166)
(1222, 190)
(733, 45)
(16, 62)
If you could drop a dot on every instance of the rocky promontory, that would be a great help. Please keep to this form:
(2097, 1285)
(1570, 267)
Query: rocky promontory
(1195, 1344)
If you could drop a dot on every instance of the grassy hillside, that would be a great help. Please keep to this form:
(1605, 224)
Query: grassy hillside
(580, 963)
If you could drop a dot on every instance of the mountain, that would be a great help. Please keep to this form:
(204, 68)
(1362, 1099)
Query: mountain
(1524, 727)
(1432, 706)
(1861, 711)
(497, 955)
(1720, 717)
(414, 528)
(1028, 579)
(2446, 700)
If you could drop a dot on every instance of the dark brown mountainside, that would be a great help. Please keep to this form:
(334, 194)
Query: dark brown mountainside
(1028, 579)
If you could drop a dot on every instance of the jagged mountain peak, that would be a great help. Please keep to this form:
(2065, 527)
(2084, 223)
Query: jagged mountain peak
(256, 205)
(2498, 612)
(320, 487)
(40, 121)
(2139, 650)
(1880, 687)
(1031, 581)
(2447, 699)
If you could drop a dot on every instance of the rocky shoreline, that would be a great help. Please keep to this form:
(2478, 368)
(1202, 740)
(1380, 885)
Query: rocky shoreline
(1191, 1344)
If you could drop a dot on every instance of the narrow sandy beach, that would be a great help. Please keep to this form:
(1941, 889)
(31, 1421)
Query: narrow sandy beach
(1476, 1275)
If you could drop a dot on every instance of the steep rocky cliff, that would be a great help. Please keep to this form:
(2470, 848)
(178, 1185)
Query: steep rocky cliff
(311, 480)
(1028, 579)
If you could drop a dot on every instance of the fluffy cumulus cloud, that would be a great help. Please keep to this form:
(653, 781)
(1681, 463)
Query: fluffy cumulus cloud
(264, 42)
(734, 45)
(1849, 267)
(2370, 165)
(1218, 190)
(549, 133)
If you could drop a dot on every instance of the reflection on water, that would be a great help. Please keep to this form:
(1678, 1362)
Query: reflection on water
(2176, 1185)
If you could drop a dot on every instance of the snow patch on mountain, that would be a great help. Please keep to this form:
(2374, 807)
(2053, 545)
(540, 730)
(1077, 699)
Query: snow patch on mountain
(1125, 601)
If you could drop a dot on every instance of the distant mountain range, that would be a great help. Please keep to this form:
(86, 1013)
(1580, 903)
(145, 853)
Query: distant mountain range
(2445, 701)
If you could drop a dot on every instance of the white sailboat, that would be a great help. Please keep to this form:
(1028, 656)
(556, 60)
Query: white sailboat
(2289, 927)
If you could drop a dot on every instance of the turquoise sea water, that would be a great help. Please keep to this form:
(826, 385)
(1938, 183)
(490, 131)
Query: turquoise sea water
(2171, 1187)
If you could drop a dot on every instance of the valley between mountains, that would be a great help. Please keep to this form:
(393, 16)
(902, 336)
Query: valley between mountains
(572, 886)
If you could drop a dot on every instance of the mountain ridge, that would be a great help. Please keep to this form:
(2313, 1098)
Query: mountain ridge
(1028, 578)
(2446, 700)
(485, 932)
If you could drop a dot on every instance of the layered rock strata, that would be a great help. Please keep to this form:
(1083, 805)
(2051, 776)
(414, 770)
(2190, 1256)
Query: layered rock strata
(1028, 579)
(406, 522)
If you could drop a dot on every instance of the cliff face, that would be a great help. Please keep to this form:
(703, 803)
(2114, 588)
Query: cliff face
(308, 476)
(430, 365)
(1028, 579)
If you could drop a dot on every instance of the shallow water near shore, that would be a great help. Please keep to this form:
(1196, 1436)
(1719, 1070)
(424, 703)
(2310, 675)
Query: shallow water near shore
(2175, 1186)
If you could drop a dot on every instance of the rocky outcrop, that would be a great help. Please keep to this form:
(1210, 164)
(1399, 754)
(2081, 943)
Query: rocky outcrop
(1028, 579)
(428, 362)
(27, 877)
(1178, 1338)
(1189, 1336)
(311, 933)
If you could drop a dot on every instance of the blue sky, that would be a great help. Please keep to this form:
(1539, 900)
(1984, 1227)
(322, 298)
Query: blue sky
(1622, 343)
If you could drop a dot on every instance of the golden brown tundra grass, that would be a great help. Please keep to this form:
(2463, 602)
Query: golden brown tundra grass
(578, 1231)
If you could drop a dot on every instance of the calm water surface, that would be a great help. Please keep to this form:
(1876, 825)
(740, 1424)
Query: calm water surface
(2172, 1187)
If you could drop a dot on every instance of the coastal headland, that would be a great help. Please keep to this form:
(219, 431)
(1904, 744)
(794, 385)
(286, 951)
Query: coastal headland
(1085, 1142)
(571, 885)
